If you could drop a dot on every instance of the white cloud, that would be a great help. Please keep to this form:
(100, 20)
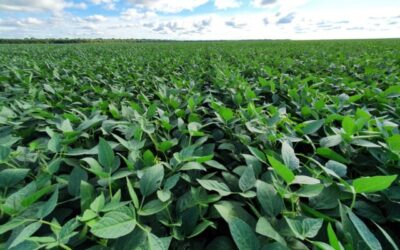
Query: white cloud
(168, 6)
(38, 5)
(281, 5)
(135, 14)
(96, 18)
(108, 4)
(226, 4)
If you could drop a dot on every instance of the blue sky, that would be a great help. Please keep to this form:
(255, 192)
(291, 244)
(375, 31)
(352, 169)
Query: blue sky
(200, 19)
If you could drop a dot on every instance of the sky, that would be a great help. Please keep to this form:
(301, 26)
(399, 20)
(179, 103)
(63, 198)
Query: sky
(200, 19)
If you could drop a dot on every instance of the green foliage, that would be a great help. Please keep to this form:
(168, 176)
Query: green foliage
(212, 145)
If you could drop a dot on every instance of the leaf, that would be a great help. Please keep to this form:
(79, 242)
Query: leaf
(265, 228)
(4, 153)
(200, 228)
(337, 167)
(258, 154)
(394, 143)
(310, 127)
(151, 179)
(86, 195)
(332, 155)
(192, 166)
(212, 185)
(153, 207)
(106, 155)
(333, 241)
(225, 113)
(270, 201)
(113, 225)
(11, 177)
(132, 193)
(98, 203)
(282, 170)
(289, 157)
(243, 235)
(373, 184)
(27, 201)
(364, 232)
(25, 234)
(304, 227)
(364, 143)
(247, 180)
(54, 144)
(307, 180)
(77, 175)
(330, 141)
(349, 125)
(48, 206)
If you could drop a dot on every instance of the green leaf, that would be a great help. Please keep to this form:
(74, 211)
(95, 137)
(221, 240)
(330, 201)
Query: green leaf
(226, 113)
(4, 153)
(25, 234)
(332, 155)
(212, 185)
(304, 227)
(74, 181)
(373, 184)
(265, 228)
(289, 157)
(27, 201)
(258, 154)
(270, 201)
(153, 207)
(151, 179)
(48, 206)
(333, 240)
(349, 125)
(113, 225)
(86, 195)
(310, 127)
(243, 235)
(11, 177)
(282, 170)
(193, 166)
(200, 228)
(132, 193)
(394, 143)
(337, 167)
(330, 141)
(106, 155)
(98, 203)
(247, 180)
(54, 144)
(11, 224)
(364, 232)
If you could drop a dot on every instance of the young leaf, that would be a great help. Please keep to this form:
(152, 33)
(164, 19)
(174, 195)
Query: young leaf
(282, 170)
(373, 184)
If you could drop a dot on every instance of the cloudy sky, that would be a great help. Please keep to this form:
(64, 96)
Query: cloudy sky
(200, 19)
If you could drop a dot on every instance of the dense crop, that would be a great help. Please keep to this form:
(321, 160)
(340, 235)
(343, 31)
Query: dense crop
(249, 145)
